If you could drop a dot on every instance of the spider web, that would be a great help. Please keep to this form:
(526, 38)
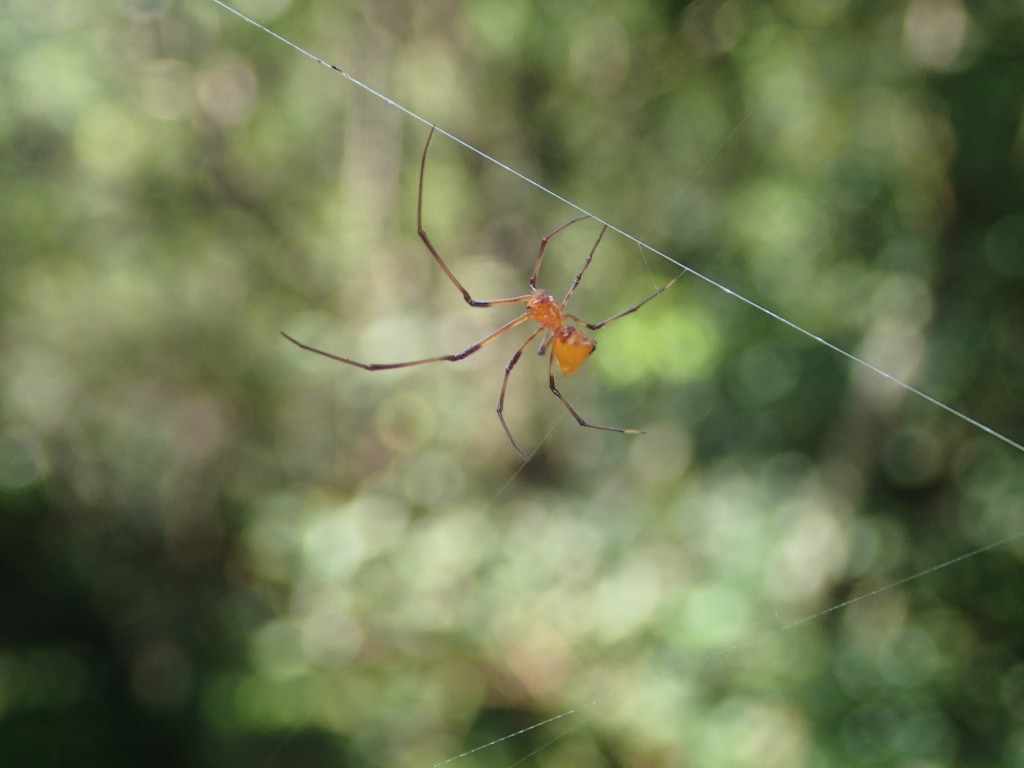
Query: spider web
(580, 714)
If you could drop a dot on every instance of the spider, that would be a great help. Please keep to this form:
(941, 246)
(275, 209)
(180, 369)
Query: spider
(569, 346)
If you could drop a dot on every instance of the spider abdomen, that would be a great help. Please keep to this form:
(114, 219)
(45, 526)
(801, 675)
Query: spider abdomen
(572, 348)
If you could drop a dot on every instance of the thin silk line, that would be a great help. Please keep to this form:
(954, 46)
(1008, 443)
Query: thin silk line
(750, 641)
(520, 732)
(642, 245)
(679, 193)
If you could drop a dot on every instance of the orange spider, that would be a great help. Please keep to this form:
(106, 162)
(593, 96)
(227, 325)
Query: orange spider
(569, 346)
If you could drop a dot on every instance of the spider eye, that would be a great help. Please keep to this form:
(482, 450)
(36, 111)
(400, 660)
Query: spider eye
(572, 349)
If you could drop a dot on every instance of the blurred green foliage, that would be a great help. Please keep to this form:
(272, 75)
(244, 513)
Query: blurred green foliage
(218, 550)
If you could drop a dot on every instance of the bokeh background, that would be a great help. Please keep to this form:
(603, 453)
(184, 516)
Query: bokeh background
(218, 550)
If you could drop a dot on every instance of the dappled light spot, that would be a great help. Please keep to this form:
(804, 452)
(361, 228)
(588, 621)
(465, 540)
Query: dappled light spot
(276, 650)
(108, 140)
(746, 730)
(811, 550)
(712, 617)
(681, 345)
(935, 32)
(23, 462)
(227, 91)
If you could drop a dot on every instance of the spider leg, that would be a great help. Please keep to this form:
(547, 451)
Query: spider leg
(586, 263)
(544, 245)
(437, 256)
(441, 358)
(548, 338)
(623, 313)
(504, 386)
(582, 422)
